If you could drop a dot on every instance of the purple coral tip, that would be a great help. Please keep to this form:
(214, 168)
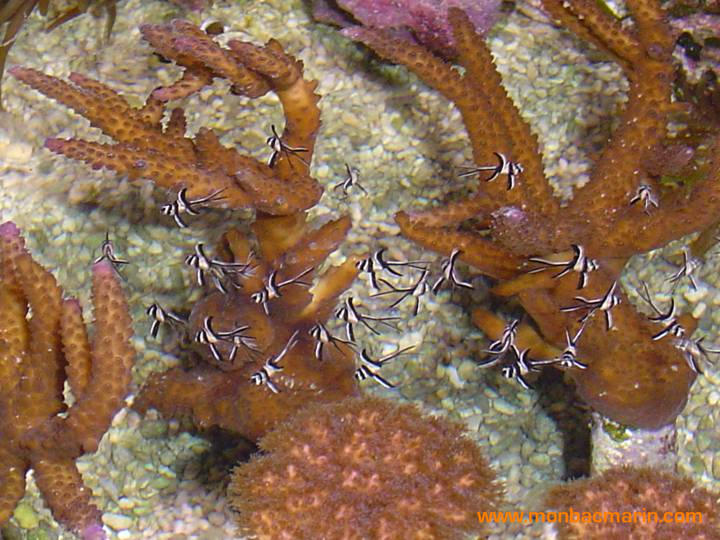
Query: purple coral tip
(53, 144)
(9, 230)
(103, 268)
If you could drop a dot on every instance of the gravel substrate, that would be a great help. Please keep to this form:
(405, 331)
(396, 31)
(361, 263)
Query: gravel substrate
(152, 480)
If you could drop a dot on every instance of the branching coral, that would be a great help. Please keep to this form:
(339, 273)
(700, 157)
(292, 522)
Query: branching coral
(202, 165)
(364, 468)
(639, 503)
(258, 326)
(37, 355)
(630, 377)
(231, 390)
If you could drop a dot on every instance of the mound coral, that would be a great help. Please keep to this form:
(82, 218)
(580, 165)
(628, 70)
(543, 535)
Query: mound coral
(37, 355)
(641, 503)
(564, 263)
(363, 468)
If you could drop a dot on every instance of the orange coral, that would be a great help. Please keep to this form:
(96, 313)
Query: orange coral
(222, 392)
(36, 355)
(239, 373)
(636, 502)
(201, 165)
(364, 468)
(630, 377)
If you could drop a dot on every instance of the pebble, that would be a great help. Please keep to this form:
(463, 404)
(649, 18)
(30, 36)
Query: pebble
(454, 377)
(503, 406)
(703, 441)
(713, 397)
(216, 519)
(699, 309)
(473, 422)
(117, 522)
(539, 460)
(527, 449)
(16, 153)
(467, 370)
(121, 456)
(126, 503)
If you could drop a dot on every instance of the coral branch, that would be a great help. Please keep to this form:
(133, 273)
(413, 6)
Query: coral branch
(202, 166)
(35, 357)
(112, 361)
(213, 393)
(564, 264)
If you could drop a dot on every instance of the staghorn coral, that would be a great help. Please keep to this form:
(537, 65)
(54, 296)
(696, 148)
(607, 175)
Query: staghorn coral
(201, 165)
(633, 494)
(364, 468)
(630, 377)
(37, 354)
(221, 392)
(283, 246)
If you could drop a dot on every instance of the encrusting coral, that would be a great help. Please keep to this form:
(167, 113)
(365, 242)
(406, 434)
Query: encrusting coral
(640, 503)
(37, 354)
(364, 468)
(564, 262)
(202, 166)
(253, 378)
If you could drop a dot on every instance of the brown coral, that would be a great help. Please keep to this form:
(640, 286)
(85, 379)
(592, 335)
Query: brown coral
(237, 386)
(364, 468)
(37, 354)
(631, 377)
(643, 504)
(222, 392)
(201, 165)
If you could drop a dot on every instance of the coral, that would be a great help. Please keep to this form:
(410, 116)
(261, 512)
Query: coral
(13, 15)
(37, 354)
(363, 468)
(225, 393)
(633, 494)
(201, 165)
(423, 21)
(630, 377)
(252, 378)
